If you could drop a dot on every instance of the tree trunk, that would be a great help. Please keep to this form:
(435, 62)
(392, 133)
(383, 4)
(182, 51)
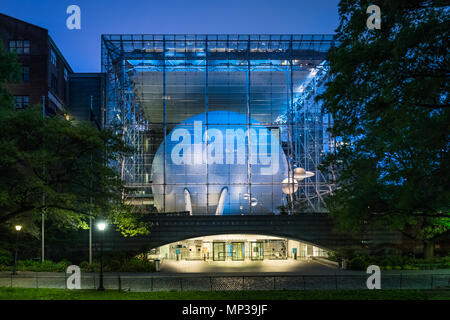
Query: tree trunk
(428, 249)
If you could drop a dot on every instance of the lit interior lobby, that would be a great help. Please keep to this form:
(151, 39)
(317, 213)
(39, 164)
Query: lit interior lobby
(236, 247)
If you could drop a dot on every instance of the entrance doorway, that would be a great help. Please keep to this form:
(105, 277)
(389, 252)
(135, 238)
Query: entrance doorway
(257, 250)
(238, 250)
(237, 247)
(219, 251)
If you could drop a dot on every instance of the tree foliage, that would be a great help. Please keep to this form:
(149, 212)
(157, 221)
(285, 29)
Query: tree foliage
(59, 167)
(389, 98)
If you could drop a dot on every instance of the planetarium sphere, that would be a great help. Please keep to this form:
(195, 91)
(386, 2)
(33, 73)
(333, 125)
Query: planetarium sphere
(219, 154)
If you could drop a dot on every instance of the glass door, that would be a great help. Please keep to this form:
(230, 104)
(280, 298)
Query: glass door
(219, 251)
(257, 249)
(238, 251)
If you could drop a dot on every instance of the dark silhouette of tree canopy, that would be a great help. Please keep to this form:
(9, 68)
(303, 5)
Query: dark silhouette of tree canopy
(389, 97)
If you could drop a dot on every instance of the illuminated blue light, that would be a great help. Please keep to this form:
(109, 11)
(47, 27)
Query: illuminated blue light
(209, 152)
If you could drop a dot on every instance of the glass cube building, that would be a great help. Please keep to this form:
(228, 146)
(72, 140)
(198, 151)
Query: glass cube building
(220, 124)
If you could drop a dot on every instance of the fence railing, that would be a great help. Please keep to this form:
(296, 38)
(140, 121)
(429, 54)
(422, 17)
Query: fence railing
(149, 283)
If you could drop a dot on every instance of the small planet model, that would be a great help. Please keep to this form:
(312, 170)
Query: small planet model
(289, 186)
(300, 174)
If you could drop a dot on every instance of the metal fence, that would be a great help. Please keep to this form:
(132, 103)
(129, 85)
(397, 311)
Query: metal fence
(140, 283)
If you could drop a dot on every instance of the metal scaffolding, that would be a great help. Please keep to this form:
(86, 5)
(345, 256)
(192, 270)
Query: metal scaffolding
(156, 82)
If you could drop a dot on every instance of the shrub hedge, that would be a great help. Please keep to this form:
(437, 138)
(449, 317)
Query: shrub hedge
(361, 262)
(122, 264)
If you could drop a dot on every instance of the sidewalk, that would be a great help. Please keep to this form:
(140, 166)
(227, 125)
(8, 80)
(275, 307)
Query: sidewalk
(316, 278)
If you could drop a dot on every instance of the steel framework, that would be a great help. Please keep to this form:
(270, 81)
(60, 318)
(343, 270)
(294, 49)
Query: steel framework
(155, 82)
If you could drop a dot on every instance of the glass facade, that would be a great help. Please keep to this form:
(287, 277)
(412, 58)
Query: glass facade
(237, 247)
(220, 124)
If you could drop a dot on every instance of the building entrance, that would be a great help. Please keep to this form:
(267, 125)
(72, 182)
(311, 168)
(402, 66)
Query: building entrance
(219, 252)
(257, 250)
(238, 251)
(236, 247)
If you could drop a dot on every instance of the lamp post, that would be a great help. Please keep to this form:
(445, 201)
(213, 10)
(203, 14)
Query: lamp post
(101, 226)
(18, 228)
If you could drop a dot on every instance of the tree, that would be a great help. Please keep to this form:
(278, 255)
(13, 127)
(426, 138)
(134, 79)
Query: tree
(57, 166)
(9, 71)
(389, 97)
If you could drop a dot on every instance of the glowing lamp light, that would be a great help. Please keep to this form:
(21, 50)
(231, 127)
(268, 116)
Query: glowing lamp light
(18, 227)
(101, 226)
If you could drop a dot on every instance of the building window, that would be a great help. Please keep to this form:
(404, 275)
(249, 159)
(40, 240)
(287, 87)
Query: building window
(53, 57)
(54, 83)
(19, 46)
(26, 74)
(66, 74)
(21, 101)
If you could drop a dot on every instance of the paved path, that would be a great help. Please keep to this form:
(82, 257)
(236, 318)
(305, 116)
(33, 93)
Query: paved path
(245, 267)
(269, 267)
(236, 275)
(146, 282)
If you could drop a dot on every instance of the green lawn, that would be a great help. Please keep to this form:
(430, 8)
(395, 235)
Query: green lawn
(60, 294)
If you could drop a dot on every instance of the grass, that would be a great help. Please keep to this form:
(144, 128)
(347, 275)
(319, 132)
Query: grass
(60, 294)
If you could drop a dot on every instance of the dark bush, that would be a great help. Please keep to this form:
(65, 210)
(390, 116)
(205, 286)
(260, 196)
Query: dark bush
(137, 265)
(83, 265)
(45, 266)
(358, 263)
(6, 257)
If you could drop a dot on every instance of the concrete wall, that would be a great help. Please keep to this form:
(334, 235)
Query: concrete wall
(312, 229)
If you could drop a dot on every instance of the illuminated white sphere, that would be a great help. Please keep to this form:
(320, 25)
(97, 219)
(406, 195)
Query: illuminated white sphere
(289, 186)
(196, 156)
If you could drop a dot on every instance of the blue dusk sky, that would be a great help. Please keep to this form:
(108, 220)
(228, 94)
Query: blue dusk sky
(82, 47)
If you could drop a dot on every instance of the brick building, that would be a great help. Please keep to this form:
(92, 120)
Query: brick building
(47, 77)
(45, 71)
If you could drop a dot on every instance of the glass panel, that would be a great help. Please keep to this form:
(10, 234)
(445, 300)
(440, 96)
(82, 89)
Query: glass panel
(26, 74)
(257, 251)
(219, 251)
(213, 131)
(238, 251)
(275, 249)
(186, 89)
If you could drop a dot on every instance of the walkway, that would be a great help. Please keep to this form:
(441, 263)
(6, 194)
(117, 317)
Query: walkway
(246, 267)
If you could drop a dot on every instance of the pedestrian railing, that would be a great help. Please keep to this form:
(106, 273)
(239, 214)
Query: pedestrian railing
(149, 283)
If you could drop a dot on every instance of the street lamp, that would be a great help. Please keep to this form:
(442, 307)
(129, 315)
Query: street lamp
(101, 226)
(18, 228)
